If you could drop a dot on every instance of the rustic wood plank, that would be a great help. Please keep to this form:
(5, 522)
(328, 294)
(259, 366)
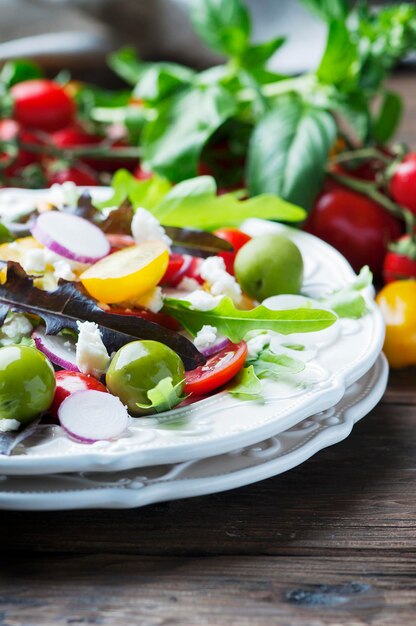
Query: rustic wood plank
(120, 589)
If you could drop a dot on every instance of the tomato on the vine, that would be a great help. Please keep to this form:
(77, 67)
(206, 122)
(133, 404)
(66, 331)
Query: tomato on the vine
(218, 370)
(78, 173)
(400, 262)
(403, 182)
(237, 239)
(181, 266)
(355, 225)
(42, 104)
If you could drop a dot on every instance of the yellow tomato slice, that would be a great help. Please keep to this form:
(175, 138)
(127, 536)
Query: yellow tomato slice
(15, 250)
(128, 273)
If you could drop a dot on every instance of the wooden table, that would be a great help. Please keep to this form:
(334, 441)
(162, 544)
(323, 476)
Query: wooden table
(332, 542)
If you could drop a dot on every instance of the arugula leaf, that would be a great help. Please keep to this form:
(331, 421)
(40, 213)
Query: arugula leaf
(173, 142)
(328, 9)
(338, 63)
(164, 395)
(235, 323)
(194, 204)
(246, 385)
(159, 80)
(223, 24)
(388, 118)
(145, 193)
(288, 151)
(348, 301)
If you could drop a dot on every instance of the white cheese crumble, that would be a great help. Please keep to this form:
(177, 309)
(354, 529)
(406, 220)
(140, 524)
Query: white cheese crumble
(14, 328)
(145, 227)
(7, 425)
(206, 337)
(219, 280)
(188, 284)
(63, 195)
(256, 344)
(151, 300)
(37, 261)
(91, 354)
(201, 300)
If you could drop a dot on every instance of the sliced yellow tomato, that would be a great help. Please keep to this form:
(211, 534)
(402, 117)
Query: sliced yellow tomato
(15, 250)
(128, 273)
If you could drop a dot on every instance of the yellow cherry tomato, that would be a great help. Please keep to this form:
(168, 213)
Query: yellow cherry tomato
(128, 273)
(397, 302)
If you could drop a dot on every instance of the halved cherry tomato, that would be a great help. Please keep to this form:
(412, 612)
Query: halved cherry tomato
(237, 239)
(218, 370)
(181, 266)
(42, 104)
(68, 382)
(159, 318)
(119, 242)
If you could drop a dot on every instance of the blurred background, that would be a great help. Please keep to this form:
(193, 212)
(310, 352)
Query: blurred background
(79, 33)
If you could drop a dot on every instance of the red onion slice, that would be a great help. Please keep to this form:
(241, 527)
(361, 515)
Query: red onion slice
(71, 236)
(59, 349)
(90, 416)
(220, 344)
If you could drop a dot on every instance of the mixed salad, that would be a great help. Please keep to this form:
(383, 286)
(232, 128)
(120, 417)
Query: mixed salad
(109, 312)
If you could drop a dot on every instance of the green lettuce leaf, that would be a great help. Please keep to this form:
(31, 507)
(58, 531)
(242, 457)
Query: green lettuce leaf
(348, 302)
(164, 395)
(271, 365)
(246, 385)
(235, 324)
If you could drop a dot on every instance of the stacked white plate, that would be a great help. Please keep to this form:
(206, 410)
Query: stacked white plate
(221, 442)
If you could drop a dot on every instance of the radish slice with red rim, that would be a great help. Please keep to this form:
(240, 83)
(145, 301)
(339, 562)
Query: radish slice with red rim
(90, 416)
(71, 236)
(59, 349)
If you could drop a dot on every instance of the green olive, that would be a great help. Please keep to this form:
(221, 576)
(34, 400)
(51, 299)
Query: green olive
(138, 367)
(27, 383)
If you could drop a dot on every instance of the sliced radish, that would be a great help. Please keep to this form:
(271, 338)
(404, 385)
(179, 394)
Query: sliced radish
(90, 416)
(71, 236)
(59, 349)
(220, 344)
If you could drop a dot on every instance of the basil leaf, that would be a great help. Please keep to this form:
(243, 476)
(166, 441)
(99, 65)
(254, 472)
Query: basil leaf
(288, 151)
(235, 323)
(223, 24)
(126, 64)
(159, 80)
(388, 118)
(194, 204)
(328, 9)
(246, 385)
(258, 54)
(17, 71)
(355, 111)
(173, 142)
(338, 63)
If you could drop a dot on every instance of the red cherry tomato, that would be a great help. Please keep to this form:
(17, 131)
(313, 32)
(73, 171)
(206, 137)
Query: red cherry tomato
(218, 370)
(182, 266)
(42, 104)
(355, 225)
(9, 130)
(237, 239)
(79, 174)
(68, 382)
(158, 318)
(398, 266)
(403, 182)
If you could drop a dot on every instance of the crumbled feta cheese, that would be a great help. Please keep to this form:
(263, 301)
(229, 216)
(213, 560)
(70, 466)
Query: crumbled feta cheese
(219, 280)
(201, 300)
(91, 354)
(38, 260)
(7, 425)
(188, 284)
(256, 344)
(34, 261)
(14, 328)
(145, 227)
(63, 195)
(62, 269)
(206, 337)
(152, 300)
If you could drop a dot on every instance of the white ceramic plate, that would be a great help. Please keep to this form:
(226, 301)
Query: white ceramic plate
(222, 423)
(248, 465)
